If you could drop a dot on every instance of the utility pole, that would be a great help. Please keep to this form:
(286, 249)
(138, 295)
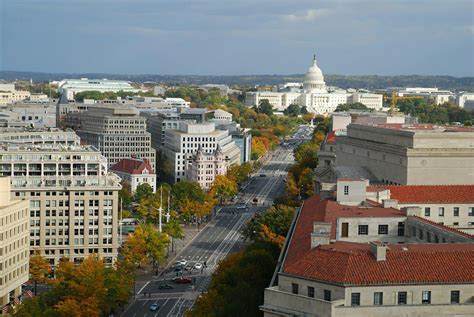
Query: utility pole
(121, 223)
(160, 210)
(168, 211)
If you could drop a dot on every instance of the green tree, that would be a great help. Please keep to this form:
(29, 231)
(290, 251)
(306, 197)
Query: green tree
(293, 110)
(188, 190)
(352, 106)
(306, 183)
(125, 194)
(174, 230)
(39, 269)
(223, 188)
(264, 106)
(143, 190)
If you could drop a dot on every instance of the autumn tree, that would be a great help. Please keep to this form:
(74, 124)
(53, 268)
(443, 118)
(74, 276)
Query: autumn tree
(306, 183)
(39, 267)
(143, 190)
(174, 230)
(223, 188)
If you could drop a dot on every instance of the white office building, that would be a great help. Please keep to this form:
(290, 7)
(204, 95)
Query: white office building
(70, 87)
(181, 145)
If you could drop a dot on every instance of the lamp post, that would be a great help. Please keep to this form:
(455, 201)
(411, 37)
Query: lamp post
(160, 210)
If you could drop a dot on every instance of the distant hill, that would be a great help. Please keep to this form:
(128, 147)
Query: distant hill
(343, 81)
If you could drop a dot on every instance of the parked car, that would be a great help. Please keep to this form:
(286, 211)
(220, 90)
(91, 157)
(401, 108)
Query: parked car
(154, 307)
(182, 280)
(198, 266)
(165, 286)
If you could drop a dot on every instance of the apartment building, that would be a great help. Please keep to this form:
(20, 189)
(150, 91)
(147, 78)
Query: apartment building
(203, 168)
(117, 132)
(349, 256)
(135, 172)
(180, 146)
(410, 154)
(14, 243)
(73, 198)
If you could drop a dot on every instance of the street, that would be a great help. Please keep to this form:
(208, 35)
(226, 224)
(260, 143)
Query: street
(216, 240)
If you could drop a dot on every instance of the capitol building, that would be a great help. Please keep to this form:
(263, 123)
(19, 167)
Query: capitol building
(314, 95)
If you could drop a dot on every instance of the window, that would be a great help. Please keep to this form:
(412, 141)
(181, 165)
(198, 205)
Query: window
(346, 190)
(345, 230)
(456, 211)
(311, 291)
(355, 299)
(402, 298)
(471, 211)
(427, 211)
(401, 229)
(454, 297)
(420, 234)
(455, 223)
(441, 211)
(383, 229)
(378, 298)
(426, 297)
(327, 295)
(294, 288)
(363, 229)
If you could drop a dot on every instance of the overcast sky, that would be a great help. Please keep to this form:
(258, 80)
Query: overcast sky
(222, 37)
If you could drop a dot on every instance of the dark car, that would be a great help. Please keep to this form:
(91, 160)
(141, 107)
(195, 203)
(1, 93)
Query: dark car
(182, 280)
(165, 286)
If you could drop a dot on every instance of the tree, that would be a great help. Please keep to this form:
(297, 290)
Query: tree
(270, 226)
(239, 173)
(291, 186)
(39, 269)
(143, 190)
(125, 194)
(174, 230)
(306, 183)
(223, 188)
(293, 110)
(264, 106)
(352, 106)
(188, 190)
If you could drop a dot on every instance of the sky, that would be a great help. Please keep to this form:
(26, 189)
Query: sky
(239, 37)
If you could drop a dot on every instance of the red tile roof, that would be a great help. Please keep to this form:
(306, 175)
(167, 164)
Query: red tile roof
(316, 210)
(132, 166)
(347, 263)
(453, 230)
(460, 194)
(331, 137)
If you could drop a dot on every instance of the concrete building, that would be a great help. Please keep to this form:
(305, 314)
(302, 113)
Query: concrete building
(135, 172)
(340, 120)
(25, 135)
(315, 96)
(73, 198)
(9, 97)
(222, 116)
(419, 154)
(357, 258)
(203, 168)
(39, 113)
(181, 145)
(370, 100)
(70, 87)
(117, 132)
(465, 100)
(14, 243)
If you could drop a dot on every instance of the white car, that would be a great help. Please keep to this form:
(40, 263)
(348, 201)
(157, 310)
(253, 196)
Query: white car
(181, 263)
(198, 266)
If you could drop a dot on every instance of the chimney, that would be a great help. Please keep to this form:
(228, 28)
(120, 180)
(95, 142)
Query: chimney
(390, 203)
(378, 250)
(321, 233)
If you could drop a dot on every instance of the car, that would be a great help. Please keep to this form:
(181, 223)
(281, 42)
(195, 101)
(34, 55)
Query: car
(241, 207)
(198, 266)
(154, 307)
(182, 280)
(178, 268)
(263, 175)
(165, 286)
(181, 263)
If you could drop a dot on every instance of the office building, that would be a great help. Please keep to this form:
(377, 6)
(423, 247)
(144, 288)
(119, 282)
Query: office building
(203, 168)
(135, 172)
(117, 132)
(418, 154)
(73, 198)
(351, 257)
(370, 100)
(14, 243)
(24, 135)
(180, 146)
(340, 120)
(38, 114)
(70, 87)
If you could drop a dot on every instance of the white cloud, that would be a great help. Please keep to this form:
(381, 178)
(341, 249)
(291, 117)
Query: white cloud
(309, 15)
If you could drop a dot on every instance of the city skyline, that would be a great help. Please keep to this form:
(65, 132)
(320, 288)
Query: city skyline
(238, 38)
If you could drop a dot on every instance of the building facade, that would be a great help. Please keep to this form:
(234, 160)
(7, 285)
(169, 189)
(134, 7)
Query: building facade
(180, 146)
(70, 87)
(418, 154)
(203, 168)
(135, 172)
(117, 132)
(73, 199)
(14, 243)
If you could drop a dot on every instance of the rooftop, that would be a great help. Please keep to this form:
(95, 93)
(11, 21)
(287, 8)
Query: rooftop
(420, 127)
(461, 194)
(132, 166)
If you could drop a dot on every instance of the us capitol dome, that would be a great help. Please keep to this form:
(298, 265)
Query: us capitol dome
(314, 79)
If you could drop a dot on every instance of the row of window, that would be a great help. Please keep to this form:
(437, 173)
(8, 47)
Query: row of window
(402, 298)
(455, 211)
